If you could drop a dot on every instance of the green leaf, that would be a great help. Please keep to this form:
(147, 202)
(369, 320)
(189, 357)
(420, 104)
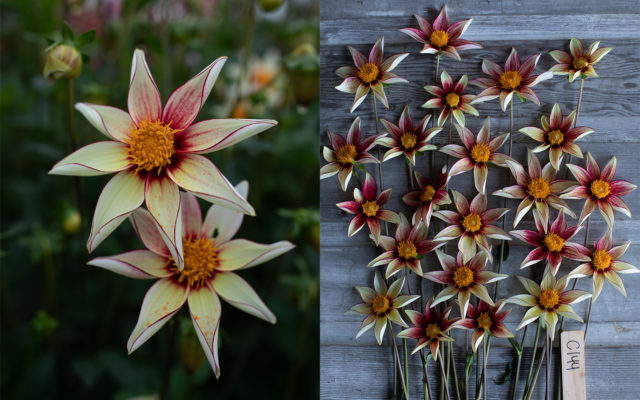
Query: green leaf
(50, 41)
(86, 38)
(516, 346)
(505, 254)
(506, 377)
(468, 363)
(67, 33)
(522, 99)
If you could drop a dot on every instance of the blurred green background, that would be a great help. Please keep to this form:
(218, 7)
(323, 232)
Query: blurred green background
(64, 324)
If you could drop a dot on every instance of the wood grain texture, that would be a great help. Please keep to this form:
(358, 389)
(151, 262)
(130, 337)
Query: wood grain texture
(359, 369)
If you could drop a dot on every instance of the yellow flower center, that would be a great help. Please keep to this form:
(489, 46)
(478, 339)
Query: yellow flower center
(380, 305)
(510, 80)
(600, 188)
(346, 154)
(200, 261)
(472, 222)
(368, 73)
(439, 39)
(553, 242)
(452, 100)
(556, 137)
(538, 188)
(580, 63)
(484, 321)
(480, 153)
(432, 331)
(462, 277)
(407, 250)
(408, 140)
(548, 299)
(601, 260)
(150, 146)
(370, 208)
(427, 194)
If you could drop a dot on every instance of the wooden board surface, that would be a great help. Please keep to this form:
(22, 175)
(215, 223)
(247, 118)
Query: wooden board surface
(359, 369)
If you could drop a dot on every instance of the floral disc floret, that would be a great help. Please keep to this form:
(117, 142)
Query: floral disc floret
(407, 250)
(510, 80)
(452, 100)
(368, 73)
(432, 331)
(600, 188)
(370, 208)
(556, 137)
(200, 261)
(150, 145)
(380, 305)
(480, 153)
(580, 63)
(538, 188)
(439, 39)
(463, 277)
(601, 260)
(346, 154)
(549, 299)
(484, 321)
(553, 242)
(408, 140)
(427, 194)
(472, 222)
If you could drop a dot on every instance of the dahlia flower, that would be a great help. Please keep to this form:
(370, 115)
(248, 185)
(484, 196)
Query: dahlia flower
(430, 195)
(514, 78)
(442, 37)
(405, 249)
(346, 153)
(407, 138)
(537, 187)
(603, 263)
(486, 318)
(367, 206)
(476, 153)
(429, 328)
(578, 63)
(557, 135)
(547, 300)
(599, 190)
(369, 74)
(551, 242)
(450, 99)
(155, 151)
(472, 224)
(463, 278)
(381, 305)
(208, 273)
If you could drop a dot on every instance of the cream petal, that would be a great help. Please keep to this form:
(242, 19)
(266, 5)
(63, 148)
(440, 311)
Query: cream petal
(163, 202)
(222, 221)
(147, 229)
(113, 122)
(143, 100)
(217, 134)
(137, 264)
(242, 254)
(237, 292)
(205, 309)
(94, 159)
(191, 215)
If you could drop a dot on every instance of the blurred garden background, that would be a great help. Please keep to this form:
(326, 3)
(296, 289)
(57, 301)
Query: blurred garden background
(64, 324)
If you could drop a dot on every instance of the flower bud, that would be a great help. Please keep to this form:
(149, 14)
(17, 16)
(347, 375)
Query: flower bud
(62, 62)
(270, 5)
(71, 222)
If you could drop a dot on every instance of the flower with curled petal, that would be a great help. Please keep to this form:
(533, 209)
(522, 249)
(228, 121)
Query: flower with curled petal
(476, 153)
(578, 63)
(381, 306)
(604, 264)
(210, 258)
(370, 74)
(346, 153)
(557, 135)
(429, 328)
(599, 189)
(430, 195)
(551, 242)
(156, 151)
(514, 78)
(405, 249)
(486, 319)
(547, 300)
(450, 99)
(367, 206)
(463, 278)
(406, 137)
(442, 37)
(472, 224)
(537, 187)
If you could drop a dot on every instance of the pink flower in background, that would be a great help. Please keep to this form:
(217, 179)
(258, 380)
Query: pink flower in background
(367, 206)
(450, 99)
(369, 74)
(208, 273)
(514, 78)
(486, 319)
(441, 37)
(430, 195)
(578, 62)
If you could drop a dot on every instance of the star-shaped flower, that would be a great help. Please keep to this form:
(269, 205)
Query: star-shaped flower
(486, 318)
(450, 99)
(430, 195)
(578, 63)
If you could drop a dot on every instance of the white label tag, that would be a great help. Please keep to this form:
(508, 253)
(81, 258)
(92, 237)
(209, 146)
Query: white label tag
(573, 365)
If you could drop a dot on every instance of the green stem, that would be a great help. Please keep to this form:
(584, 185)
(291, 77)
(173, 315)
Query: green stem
(433, 116)
(482, 386)
(529, 392)
(397, 356)
(74, 145)
(575, 121)
(375, 113)
(519, 363)
(586, 327)
(446, 384)
(168, 360)
(455, 373)
(533, 359)
(548, 346)
(450, 138)
(406, 364)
